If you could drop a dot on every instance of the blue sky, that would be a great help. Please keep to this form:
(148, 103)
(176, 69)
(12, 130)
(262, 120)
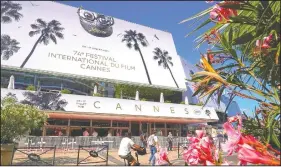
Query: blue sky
(163, 15)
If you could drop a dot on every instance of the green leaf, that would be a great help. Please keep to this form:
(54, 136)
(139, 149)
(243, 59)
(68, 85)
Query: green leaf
(220, 94)
(230, 34)
(200, 26)
(276, 140)
(243, 39)
(205, 12)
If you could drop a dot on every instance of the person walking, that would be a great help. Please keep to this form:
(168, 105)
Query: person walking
(143, 139)
(153, 145)
(170, 141)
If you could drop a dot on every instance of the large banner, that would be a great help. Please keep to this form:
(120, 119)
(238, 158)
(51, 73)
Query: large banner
(52, 37)
(103, 105)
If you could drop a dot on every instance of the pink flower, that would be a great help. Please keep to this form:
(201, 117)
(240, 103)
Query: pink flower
(222, 14)
(265, 44)
(234, 138)
(251, 155)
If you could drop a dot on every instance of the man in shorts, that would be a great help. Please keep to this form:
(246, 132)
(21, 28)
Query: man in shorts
(124, 151)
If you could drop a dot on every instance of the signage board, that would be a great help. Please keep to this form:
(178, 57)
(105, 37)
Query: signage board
(47, 36)
(103, 105)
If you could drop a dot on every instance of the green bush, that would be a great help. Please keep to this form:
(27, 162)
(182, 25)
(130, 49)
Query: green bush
(168, 101)
(182, 102)
(30, 87)
(143, 99)
(17, 119)
(97, 95)
(65, 91)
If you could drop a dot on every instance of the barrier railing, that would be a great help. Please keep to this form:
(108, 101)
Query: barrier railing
(96, 152)
(181, 147)
(29, 156)
(71, 143)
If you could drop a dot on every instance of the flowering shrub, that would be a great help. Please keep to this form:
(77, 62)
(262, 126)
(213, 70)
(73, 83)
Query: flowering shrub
(248, 148)
(244, 60)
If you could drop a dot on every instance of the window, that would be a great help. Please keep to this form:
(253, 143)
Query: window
(120, 124)
(80, 122)
(101, 123)
(57, 121)
(159, 125)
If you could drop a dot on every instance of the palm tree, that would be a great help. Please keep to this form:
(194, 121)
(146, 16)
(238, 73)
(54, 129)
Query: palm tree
(45, 100)
(48, 31)
(9, 11)
(8, 46)
(164, 59)
(132, 38)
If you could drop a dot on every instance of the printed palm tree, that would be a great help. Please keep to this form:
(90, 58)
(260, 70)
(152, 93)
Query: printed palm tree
(9, 11)
(164, 59)
(47, 31)
(8, 47)
(45, 100)
(132, 38)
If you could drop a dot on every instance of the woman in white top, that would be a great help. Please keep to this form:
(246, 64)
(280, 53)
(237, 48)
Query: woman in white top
(94, 134)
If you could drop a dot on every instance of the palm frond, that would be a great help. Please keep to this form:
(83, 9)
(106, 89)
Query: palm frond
(42, 23)
(155, 57)
(129, 45)
(14, 14)
(5, 19)
(53, 38)
(32, 33)
(35, 26)
(45, 39)
(7, 54)
(136, 46)
(59, 35)
(160, 62)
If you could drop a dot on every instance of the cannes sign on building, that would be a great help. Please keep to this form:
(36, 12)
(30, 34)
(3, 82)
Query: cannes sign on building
(55, 38)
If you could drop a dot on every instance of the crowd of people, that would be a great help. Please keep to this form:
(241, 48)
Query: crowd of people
(158, 154)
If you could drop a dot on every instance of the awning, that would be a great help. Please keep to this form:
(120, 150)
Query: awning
(87, 116)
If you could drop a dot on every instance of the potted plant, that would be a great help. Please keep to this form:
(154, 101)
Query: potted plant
(16, 120)
(30, 87)
(65, 91)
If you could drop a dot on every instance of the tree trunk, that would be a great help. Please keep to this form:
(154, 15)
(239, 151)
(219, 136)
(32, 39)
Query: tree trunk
(144, 66)
(173, 76)
(31, 52)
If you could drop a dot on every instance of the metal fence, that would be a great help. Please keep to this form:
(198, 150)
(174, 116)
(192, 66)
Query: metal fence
(68, 142)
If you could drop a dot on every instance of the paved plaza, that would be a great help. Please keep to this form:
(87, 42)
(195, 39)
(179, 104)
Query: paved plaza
(70, 158)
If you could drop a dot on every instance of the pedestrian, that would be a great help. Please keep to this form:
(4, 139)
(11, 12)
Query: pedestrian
(118, 133)
(153, 145)
(95, 134)
(143, 139)
(170, 141)
(109, 133)
(86, 133)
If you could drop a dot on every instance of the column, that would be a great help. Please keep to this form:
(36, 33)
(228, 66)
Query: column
(68, 128)
(130, 130)
(166, 133)
(140, 126)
